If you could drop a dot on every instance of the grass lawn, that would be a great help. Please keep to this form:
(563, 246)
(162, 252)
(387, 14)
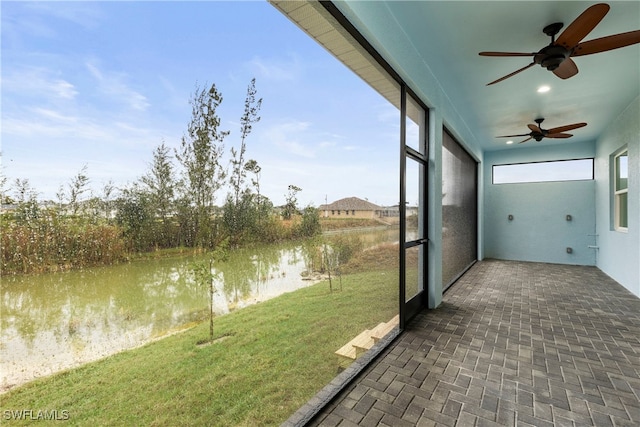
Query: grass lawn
(274, 357)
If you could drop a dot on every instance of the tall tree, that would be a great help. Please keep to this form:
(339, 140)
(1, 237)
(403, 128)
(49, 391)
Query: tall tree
(161, 183)
(238, 162)
(200, 154)
(240, 210)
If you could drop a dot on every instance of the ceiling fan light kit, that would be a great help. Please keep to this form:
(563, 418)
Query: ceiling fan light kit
(556, 57)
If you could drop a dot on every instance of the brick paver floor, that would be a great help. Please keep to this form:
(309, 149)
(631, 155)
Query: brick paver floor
(513, 344)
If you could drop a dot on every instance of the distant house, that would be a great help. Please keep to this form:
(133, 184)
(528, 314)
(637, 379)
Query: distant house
(350, 207)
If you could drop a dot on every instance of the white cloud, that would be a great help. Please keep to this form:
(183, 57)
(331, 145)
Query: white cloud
(54, 115)
(64, 89)
(114, 86)
(291, 136)
(327, 144)
(276, 69)
(84, 14)
(40, 82)
(300, 139)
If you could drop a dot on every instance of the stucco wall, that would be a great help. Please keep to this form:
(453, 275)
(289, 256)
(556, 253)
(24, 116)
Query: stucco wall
(539, 230)
(346, 214)
(619, 254)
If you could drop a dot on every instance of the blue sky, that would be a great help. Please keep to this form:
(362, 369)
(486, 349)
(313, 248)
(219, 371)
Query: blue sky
(104, 83)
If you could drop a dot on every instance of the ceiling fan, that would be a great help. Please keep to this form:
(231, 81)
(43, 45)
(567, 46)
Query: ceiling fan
(538, 133)
(556, 57)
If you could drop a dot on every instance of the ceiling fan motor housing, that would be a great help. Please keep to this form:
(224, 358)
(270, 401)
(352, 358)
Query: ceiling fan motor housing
(552, 56)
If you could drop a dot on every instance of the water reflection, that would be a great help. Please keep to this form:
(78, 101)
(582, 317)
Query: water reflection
(55, 321)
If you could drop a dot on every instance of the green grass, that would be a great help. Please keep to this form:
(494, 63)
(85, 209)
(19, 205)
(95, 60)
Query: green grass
(276, 355)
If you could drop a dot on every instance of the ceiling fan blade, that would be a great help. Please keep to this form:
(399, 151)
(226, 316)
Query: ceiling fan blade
(582, 25)
(534, 128)
(505, 54)
(512, 74)
(525, 140)
(558, 135)
(607, 43)
(567, 69)
(512, 136)
(561, 129)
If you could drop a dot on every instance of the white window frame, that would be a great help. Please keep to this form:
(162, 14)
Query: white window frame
(618, 193)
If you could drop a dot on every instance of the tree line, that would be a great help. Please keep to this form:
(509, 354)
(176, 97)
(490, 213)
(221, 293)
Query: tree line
(173, 204)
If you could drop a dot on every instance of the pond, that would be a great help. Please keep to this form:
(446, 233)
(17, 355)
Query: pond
(52, 322)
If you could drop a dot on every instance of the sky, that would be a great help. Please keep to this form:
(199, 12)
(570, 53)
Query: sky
(103, 84)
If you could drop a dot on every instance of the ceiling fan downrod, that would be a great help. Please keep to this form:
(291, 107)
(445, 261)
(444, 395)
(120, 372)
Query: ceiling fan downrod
(552, 30)
(551, 56)
(539, 136)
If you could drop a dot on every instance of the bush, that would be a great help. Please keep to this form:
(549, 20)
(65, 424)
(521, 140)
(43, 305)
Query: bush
(310, 224)
(345, 246)
(50, 244)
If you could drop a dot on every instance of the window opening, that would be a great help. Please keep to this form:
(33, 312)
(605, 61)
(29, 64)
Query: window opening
(559, 170)
(620, 191)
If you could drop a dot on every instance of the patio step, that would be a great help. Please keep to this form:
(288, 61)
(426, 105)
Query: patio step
(383, 329)
(350, 349)
(366, 339)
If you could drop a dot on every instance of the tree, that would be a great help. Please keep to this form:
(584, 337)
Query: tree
(262, 204)
(77, 187)
(160, 183)
(240, 217)
(200, 153)
(238, 165)
(108, 190)
(206, 276)
(310, 225)
(26, 198)
(252, 166)
(240, 211)
(60, 197)
(134, 217)
(291, 202)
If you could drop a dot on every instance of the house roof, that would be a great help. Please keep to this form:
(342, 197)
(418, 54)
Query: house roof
(351, 203)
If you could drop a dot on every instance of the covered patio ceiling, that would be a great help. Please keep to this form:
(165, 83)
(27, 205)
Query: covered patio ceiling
(442, 39)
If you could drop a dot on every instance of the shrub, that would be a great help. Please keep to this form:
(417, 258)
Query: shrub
(50, 244)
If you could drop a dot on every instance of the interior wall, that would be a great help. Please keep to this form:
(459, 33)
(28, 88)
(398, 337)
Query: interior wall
(539, 230)
(619, 253)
